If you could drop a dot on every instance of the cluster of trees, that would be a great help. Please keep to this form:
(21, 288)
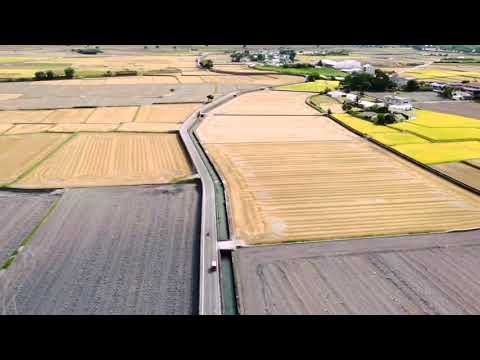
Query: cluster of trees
(366, 82)
(291, 54)
(50, 75)
(239, 56)
(206, 64)
(88, 51)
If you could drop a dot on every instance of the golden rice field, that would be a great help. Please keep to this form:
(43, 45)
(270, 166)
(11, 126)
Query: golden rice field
(439, 120)
(397, 138)
(111, 159)
(363, 126)
(442, 75)
(315, 86)
(327, 103)
(19, 153)
(439, 134)
(437, 153)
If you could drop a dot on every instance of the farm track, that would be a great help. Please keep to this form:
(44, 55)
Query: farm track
(125, 250)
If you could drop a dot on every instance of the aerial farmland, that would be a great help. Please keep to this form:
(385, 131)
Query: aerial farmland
(226, 179)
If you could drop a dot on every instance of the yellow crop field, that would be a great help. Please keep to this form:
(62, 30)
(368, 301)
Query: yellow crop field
(83, 128)
(68, 116)
(335, 190)
(439, 120)
(363, 126)
(268, 103)
(112, 159)
(327, 103)
(28, 129)
(253, 129)
(113, 115)
(443, 75)
(149, 127)
(19, 153)
(397, 138)
(23, 116)
(440, 134)
(166, 113)
(437, 153)
(315, 86)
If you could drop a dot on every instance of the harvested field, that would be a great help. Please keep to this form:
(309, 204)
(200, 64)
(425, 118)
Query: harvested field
(315, 86)
(21, 213)
(327, 103)
(128, 250)
(23, 116)
(267, 103)
(9, 96)
(19, 153)
(475, 162)
(149, 127)
(68, 116)
(112, 159)
(439, 134)
(329, 190)
(467, 174)
(430, 274)
(28, 129)
(83, 128)
(466, 109)
(264, 129)
(437, 153)
(113, 115)
(5, 127)
(166, 113)
(190, 79)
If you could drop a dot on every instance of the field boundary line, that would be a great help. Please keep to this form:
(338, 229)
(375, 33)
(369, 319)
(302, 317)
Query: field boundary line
(36, 165)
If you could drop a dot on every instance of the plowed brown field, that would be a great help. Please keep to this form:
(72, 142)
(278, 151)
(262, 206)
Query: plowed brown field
(113, 115)
(18, 153)
(23, 116)
(68, 116)
(166, 113)
(148, 127)
(28, 128)
(112, 159)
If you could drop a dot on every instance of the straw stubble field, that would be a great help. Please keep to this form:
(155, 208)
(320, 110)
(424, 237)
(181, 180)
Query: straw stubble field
(112, 159)
(331, 185)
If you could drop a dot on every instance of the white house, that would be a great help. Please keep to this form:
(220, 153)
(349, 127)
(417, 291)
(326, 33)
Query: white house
(351, 98)
(461, 95)
(369, 69)
(369, 104)
(337, 94)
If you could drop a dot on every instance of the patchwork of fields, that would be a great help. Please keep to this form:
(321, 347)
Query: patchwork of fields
(315, 86)
(325, 184)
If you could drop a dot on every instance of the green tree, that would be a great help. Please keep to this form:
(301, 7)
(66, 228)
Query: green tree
(40, 75)
(447, 92)
(412, 85)
(206, 64)
(69, 73)
(49, 74)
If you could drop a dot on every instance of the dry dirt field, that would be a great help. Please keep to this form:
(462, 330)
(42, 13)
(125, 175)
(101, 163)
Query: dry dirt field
(5, 127)
(18, 153)
(127, 250)
(475, 162)
(465, 173)
(329, 186)
(112, 159)
(221, 129)
(24, 116)
(28, 129)
(21, 213)
(267, 103)
(430, 274)
(113, 115)
(149, 127)
(68, 116)
(71, 128)
(166, 113)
